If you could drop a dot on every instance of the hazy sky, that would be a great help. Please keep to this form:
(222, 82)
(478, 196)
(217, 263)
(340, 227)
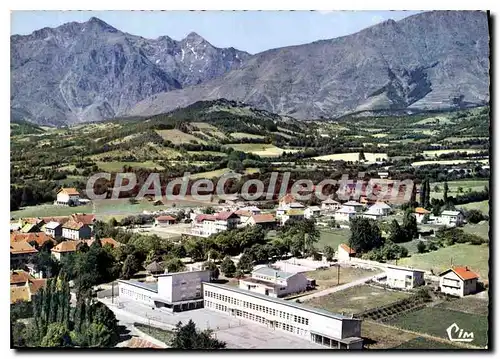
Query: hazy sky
(251, 31)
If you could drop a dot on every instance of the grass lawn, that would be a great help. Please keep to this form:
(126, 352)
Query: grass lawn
(470, 304)
(411, 246)
(435, 321)
(424, 343)
(210, 174)
(481, 229)
(177, 137)
(116, 166)
(483, 206)
(377, 336)
(327, 278)
(356, 299)
(475, 257)
(473, 185)
(333, 238)
(47, 210)
(162, 335)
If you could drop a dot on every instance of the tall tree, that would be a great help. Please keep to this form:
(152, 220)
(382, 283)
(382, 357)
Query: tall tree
(445, 193)
(188, 337)
(227, 267)
(410, 224)
(365, 235)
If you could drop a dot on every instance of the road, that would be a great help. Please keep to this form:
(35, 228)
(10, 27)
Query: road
(336, 289)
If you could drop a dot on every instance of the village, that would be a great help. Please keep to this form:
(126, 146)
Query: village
(287, 295)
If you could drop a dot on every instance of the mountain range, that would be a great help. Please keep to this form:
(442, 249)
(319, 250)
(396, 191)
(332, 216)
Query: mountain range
(90, 71)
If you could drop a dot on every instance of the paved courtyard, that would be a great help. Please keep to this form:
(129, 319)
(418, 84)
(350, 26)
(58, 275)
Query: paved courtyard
(238, 334)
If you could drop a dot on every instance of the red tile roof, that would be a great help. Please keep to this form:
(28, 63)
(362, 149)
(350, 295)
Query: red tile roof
(165, 218)
(58, 219)
(105, 241)
(21, 247)
(88, 219)
(19, 276)
(36, 285)
(204, 217)
(244, 213)
(73, 225)
(225, 215)
(421, 210)
(69, 191)
(264, 218)
(39, 237)
(66, 246)
(465, 273)
(348, 249)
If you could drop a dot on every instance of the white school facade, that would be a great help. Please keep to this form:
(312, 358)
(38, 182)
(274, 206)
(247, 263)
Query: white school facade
(319, 326)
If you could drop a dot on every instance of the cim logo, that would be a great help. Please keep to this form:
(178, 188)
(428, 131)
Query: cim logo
(455, 334)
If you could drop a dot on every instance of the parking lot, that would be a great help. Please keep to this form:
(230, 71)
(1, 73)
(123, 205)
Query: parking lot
(238, 334)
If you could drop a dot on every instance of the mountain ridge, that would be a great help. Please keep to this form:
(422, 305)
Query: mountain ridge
(429, 61)
(444, 66)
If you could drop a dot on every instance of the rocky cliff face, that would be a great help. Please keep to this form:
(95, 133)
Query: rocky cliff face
(429, 61)
(90, 71)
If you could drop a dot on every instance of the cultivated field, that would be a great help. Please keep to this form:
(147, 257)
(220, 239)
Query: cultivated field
(481, 229)
(356, 299)
(333, 276)
(475, 257)
(483, 206)
(333, 237)
(437, 153)
(177, 137)
(435, 321)
(117, 166)
(245, 135)
(353, 156)
(260, 149)
(447, 162)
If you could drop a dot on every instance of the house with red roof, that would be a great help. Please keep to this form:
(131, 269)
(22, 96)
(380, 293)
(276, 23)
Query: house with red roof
(76, 230)
(68, 197)
(205, 225)
(458, 281)
(344, 252)
(163, 221)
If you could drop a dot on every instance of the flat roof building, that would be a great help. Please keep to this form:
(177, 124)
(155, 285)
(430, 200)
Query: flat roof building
(173, 291)
(274, 283)
(319, 326)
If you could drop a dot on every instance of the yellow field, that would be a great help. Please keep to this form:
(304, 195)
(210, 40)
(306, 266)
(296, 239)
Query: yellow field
(353, 156)
(436, 153)
(380, 135)
(177, 137)
(260, 149)
(447, 162)
(245, 135)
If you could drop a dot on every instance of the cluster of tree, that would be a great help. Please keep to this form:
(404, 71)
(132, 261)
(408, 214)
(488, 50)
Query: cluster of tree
(189, 337)
(55, 324)
(406, 232)
(450, 236)
(422, 247)
(388, 251)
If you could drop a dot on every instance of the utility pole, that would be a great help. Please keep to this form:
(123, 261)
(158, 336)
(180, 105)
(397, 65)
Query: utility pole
(338, 274)
(112, 292)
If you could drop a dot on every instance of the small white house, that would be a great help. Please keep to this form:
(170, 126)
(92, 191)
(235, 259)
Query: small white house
(381, 208)
(356, 206)
(372, 214)
(345, 214)
(458, 281)
(344, 252)
(404, 278)
(452, 218)
(420, 213)
(292, 215)
(274, 283)
(329, 205)
(311, 212)
(67, 197)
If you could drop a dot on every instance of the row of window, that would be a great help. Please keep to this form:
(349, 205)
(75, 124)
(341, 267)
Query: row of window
(257, 307)
(131, 293)
(257, 318)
